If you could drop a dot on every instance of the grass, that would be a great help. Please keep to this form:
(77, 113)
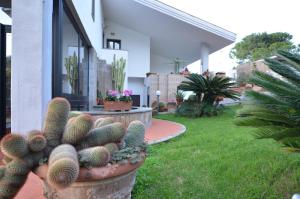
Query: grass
(216, 159)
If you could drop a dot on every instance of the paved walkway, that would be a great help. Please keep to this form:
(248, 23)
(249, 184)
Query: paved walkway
(159, 131)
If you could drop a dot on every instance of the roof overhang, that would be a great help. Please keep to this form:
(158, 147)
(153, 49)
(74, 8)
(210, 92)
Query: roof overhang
(173, 33)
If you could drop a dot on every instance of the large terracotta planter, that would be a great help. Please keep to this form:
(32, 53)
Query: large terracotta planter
(117, 105)
(108, 182)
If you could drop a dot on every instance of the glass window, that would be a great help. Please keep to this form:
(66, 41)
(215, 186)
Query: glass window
(75, 65)
(113, 44)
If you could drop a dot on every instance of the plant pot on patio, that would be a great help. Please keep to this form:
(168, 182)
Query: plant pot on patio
(111, 181)
(117, 105)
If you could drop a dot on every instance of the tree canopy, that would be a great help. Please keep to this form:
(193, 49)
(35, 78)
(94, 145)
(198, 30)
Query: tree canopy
(261, 45)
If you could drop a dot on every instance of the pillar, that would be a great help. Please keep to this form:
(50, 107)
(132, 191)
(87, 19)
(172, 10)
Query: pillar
(31, 63)
(204, 52)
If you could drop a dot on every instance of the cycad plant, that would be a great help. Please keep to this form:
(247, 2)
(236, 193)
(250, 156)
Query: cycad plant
(276, 111)
(207, 89)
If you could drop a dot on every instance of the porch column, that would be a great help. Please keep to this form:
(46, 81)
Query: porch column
(31, 63)
(204, 51)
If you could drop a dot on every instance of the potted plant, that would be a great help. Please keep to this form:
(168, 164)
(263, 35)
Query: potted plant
(75, 156)
(99, 97)
(116, 102)
(179, 97)
(162, 107)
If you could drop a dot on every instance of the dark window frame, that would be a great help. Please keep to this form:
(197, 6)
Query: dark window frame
(118, 41)
(2, 80)
(93, 10)
(77, 101)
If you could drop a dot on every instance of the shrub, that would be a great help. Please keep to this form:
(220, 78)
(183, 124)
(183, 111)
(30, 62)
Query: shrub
(276, 112)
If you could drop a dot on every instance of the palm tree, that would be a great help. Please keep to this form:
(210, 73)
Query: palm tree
(275, 112)
(207, 88)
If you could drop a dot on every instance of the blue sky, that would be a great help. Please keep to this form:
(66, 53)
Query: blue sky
(242, 17)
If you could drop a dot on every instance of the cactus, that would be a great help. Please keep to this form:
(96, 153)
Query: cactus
(74, 114)
(6, 159)
(17, 167)
(118, 74)
(33, 159)
(77, 128)
(14, 180)
(56, 119)
(63, 166)
(112, 147)
(72, 71)
(103, 121)
(14, 146)
(135, 134)
(94, 156)
(36, 141)
(7, 191)
(62, 151)
(62, 172)
(2, 171)
(103, 135)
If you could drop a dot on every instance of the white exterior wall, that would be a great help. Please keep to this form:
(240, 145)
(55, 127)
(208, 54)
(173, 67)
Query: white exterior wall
(137, 45)
(31, 63)
(161, 65)
(93, 29)
(136, 84)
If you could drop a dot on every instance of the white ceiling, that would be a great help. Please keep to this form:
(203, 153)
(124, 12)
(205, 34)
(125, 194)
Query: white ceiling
(170, 37)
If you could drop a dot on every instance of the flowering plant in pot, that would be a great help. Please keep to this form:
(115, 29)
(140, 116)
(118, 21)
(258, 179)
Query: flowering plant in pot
(115, 101)
(75, 155)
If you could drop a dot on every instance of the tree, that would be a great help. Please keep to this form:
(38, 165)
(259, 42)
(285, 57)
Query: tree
(261, 45)
(276, 112)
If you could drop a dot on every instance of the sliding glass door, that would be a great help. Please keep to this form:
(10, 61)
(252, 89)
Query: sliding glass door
(71, 59)
(5, 75)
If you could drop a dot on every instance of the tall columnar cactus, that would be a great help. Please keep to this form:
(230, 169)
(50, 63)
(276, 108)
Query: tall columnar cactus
(14, 146)
(56, 119)
(94, 156)
(63, 171)
(71, 64)
(103, 135)
(36, 141)
(77, 128)
(135, 134)
(103, 121)
(118, 73)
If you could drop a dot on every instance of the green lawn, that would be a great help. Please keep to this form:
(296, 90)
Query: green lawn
(216, 159)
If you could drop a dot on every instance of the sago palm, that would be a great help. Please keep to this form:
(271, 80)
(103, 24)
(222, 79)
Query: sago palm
(276, 111)
(207, 88)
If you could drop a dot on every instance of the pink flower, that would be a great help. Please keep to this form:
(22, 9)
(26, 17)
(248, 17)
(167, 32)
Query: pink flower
(113, 93)
(127, 92)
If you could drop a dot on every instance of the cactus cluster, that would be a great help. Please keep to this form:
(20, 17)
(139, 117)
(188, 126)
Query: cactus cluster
(66, 142)
(118, 73)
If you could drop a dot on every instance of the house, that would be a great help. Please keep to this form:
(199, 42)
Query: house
(53, 38)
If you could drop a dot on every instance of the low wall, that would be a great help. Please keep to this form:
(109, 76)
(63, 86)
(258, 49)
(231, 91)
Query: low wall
(125, 117)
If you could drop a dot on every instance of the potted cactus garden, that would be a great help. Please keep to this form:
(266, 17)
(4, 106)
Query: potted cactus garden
(76, 156)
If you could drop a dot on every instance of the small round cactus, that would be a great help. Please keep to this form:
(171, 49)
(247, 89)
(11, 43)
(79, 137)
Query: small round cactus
(103, 121)
(135, 134)
(112, 147)
(77, 129)
(7, 191)
(62, 173)
(14, 146)
(17, 167)
(94, 156)
(64, 150)
(2, 171)
(36, 141)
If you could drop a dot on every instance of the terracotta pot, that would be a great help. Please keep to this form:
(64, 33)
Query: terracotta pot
(111, 181)
(99, 101)
(117, 105)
